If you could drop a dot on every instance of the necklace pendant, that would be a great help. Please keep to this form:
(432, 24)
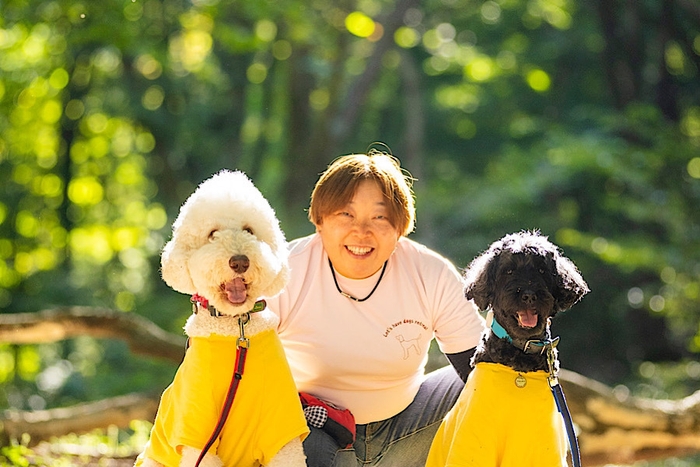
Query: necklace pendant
(520, 381)
(347, 295)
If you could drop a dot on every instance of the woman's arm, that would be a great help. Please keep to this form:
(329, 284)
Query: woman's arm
(461, 362)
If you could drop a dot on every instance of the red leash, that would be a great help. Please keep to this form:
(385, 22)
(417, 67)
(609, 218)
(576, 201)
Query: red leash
(241, 352)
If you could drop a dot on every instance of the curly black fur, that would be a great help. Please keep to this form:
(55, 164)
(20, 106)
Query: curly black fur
(521, 272)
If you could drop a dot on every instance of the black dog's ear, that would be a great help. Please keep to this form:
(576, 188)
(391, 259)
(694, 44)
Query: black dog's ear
(479, 279)
(570, 285)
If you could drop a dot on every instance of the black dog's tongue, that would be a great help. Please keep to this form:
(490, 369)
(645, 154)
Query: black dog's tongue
(527, 318)
(236, 291)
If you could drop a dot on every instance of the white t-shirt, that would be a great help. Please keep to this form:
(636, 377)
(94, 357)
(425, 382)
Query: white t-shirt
(369, 357)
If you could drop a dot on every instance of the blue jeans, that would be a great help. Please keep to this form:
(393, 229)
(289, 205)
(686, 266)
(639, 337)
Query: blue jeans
(401, 441)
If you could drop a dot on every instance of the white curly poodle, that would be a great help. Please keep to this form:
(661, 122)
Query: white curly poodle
(228, 251)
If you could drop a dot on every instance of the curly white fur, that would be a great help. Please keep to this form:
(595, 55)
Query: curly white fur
(190, 456)
(228, 248)
(226, 216)
(204, 325)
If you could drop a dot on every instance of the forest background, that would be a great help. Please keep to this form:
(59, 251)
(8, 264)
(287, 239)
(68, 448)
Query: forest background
(577, 118)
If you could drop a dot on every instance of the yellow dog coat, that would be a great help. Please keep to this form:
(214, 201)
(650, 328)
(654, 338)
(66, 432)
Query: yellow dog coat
(495, 423)
(266, 412)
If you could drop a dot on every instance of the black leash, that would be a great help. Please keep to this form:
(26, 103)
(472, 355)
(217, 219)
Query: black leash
(241, 353)
(560, 400)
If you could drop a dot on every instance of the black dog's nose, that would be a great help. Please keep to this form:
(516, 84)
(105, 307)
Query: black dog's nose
(528, 297)
(239, 263)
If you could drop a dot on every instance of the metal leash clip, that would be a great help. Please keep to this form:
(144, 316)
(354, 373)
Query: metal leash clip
(540, 346)
(243, 341)
(553, 379)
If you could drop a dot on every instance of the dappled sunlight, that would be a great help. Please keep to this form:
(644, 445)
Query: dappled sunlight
(481, 68)
(360, 24)
(511, 114)
(190, 48)
(464, 97)
(538, 80)
(91, 244)
(406, 37)
(694, 167)
(85, 191)
(148, 66)
(690, 123)
(555, 12)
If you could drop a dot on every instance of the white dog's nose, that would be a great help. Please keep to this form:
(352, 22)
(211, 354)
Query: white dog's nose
(239, 263)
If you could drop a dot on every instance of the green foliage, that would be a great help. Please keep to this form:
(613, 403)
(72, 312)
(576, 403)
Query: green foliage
(109, 446)
(15, 455)
(512, 114)
(624, 212)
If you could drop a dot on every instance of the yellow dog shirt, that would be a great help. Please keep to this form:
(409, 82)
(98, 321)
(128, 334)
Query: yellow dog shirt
(266, 412)
(495, 423)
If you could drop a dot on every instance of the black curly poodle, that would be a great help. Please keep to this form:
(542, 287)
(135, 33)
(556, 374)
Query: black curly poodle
(525, 280)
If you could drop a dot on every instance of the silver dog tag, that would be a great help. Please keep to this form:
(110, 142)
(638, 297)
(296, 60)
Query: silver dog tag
(520, 381)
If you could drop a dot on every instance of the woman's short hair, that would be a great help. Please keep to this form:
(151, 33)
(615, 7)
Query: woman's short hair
(337, 185)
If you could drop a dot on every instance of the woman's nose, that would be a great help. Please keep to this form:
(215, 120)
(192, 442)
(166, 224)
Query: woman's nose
(363, 225)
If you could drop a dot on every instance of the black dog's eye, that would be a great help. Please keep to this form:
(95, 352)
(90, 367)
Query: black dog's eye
(541, 270)
(509, 272)
(248, 229)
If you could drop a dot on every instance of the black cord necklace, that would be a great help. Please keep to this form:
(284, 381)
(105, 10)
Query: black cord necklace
(345, 294)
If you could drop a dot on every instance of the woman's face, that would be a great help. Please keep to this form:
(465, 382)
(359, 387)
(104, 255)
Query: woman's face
(359, 238)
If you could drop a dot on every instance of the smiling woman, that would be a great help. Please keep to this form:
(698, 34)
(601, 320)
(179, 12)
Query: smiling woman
(359, 237)
(358, 279)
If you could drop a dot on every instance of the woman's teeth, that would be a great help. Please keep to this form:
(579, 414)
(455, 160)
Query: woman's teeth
(358, 250)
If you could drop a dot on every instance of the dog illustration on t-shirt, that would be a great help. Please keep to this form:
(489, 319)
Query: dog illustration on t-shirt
(408, 344)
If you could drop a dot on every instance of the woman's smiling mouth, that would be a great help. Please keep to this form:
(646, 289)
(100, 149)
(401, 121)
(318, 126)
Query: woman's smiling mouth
(359, 250)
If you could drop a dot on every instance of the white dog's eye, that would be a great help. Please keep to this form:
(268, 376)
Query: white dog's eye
(248, 229)
(212, 234)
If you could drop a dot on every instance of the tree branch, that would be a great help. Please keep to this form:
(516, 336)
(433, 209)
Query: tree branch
(41, 425)
(142, 336)
(360, 88)
(612, 430)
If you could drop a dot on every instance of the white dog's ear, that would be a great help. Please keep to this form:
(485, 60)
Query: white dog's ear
(280, 251)
(173, 262)
(278, 283)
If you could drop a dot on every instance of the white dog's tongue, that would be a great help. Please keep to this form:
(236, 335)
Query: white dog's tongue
(527, 318)
(236, 291)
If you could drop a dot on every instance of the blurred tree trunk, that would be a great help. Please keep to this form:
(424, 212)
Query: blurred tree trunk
(611, 431)
(412, 152)
(634, 37)
(317, 137)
